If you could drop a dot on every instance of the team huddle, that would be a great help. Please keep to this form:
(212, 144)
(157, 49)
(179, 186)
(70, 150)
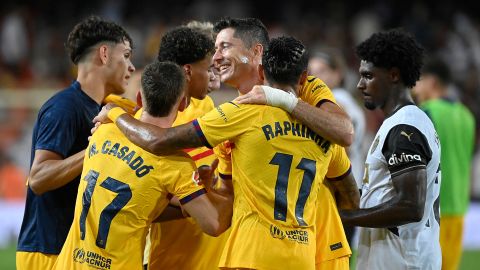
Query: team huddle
(261, 182)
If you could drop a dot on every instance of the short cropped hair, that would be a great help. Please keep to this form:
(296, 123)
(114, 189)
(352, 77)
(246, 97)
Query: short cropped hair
(90, 32)
(162, 85)
(284, 60)
(184, 45)
(437, 67)
(394, 48)
(249, 30)
(203, 27)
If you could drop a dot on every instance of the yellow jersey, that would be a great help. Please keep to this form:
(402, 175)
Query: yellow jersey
(331, 239)
(181, 244)
(123, 189)
(279, 167)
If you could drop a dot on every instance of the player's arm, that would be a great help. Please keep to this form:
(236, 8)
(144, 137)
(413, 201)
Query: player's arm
(406, 151)
(405, 207)
(347, 194)
(150, 137)
(340, 177)
(50, 170)
(326, 118)
(212, 212)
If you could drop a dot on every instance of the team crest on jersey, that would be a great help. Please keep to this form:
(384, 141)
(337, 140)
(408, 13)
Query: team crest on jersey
(375, 144)
(299, 236)
(196, 178)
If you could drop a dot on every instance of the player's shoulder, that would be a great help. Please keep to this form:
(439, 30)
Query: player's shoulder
(313, 84)
(177, 161)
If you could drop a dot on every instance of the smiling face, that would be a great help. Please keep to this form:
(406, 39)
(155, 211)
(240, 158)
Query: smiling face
(374, 84)
(231, 57)
(119, 67)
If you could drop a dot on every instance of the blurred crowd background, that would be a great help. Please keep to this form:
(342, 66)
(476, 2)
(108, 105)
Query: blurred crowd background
(34, 64)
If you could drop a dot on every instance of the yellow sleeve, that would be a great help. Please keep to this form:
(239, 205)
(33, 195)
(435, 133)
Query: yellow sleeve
(179, 179)
(339, 164)
(315, 92)
(225, 122)
(128, 105)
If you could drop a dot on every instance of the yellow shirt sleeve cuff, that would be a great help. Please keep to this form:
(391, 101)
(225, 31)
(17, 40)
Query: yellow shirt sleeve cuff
(114, 113)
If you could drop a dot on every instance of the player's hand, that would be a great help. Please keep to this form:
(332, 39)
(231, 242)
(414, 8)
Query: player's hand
(102, 116)
(95, 127)
(207, 175)
(255, 96)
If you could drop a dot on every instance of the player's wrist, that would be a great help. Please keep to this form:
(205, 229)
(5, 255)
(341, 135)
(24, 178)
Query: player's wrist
(279, 98)
(114, 113)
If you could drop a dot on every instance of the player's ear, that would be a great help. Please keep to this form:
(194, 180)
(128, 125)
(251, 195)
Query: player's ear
(395, 74)
(257, 53)
(187, 68)
(261, 73)
(103, 51)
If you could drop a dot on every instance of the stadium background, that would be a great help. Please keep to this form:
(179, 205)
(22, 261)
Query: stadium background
(34, 64)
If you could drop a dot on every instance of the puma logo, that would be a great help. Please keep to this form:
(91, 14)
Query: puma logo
(406, 135)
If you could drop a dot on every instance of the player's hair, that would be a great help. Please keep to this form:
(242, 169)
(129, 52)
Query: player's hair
(184, 45)
(284, 60)
(162, 85)
(90, 32)
(437, 67)
(204, 27)
(249, 30)
(394, 48)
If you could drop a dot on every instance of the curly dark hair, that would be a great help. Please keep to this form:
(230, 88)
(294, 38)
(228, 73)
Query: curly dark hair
(284, 60)
(162, 85)
(394, 48)
(184, 45)
(91, 31)
(249, 30)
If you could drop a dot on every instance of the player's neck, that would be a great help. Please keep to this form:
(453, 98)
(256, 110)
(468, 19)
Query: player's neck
(92, 84)
(284, 87)
(163, 122)
(244, 86)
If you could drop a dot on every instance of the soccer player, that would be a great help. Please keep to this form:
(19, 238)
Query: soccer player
(102, 52)
(399, 207)
(124, 188)
(455, 125)
(277, 185)
(180, 243)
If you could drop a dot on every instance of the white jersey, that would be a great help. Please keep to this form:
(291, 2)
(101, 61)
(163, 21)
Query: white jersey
(355, 152)
(406, 141)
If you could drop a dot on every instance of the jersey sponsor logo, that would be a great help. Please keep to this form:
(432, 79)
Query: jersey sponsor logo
(222, 114)
(93, 259)
(403, 158)
(318, 87)
(403, 133)
(295, 129)
(299, 236)
(336, 246)
(124, 154)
